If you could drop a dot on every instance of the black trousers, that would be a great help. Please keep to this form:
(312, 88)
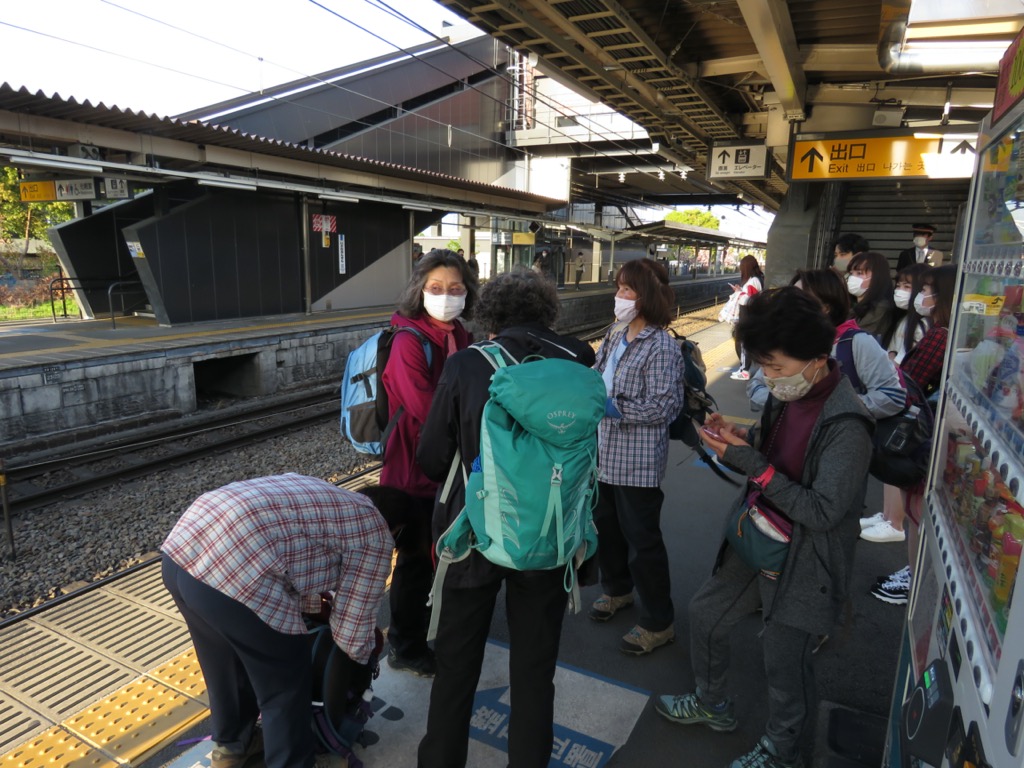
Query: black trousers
(535, 604)
(411, 582)
(249, 668)
(631, 551)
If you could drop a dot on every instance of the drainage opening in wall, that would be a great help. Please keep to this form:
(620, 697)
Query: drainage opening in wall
(223, 379)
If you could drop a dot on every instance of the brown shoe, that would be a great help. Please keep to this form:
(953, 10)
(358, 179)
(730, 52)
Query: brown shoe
(607, 606)
(639, 641)
(222, 757)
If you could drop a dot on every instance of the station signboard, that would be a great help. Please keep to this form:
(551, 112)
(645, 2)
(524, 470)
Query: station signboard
(75, 189)
(831, 157)
(37, 191)
(738, 161)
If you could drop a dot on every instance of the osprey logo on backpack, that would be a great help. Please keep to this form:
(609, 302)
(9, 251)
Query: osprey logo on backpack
(531, 492)
(364, 402)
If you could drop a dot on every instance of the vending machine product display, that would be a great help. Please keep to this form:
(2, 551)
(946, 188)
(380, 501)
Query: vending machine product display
(961, 699)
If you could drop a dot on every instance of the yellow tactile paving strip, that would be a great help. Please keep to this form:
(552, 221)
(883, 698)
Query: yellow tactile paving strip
(182, 673)
(136, 721)
(56, 747)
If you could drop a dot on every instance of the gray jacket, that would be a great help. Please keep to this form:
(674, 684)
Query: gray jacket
(824, 505)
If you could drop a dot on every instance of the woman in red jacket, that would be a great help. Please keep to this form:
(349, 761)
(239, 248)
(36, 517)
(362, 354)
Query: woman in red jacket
(442, 290)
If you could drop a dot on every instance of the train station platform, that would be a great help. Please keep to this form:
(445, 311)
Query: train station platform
(98, 376)
(110, 678)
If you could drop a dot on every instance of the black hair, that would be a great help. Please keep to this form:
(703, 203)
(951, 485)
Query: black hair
(828, 288)
(786, 320)
(879, 292)
(851, 243)
(943, 282)
(518, 297)
(655, 298)
(410, 302)
(909, 317)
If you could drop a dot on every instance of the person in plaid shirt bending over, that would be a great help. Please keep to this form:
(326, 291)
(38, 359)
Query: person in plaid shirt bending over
(243, 564)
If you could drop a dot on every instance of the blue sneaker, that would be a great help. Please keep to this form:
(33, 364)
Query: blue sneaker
(764, 756)
(688, 709)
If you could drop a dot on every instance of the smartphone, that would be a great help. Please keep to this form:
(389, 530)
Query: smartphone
(712, 433)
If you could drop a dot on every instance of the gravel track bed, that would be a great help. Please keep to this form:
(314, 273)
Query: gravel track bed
(88, 538)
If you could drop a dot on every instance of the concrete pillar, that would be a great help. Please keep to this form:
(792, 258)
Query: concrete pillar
(791, 234)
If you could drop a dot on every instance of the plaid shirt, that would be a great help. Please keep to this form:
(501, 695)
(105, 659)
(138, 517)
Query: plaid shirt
(275, 543)
(648, 392)
(924, 362)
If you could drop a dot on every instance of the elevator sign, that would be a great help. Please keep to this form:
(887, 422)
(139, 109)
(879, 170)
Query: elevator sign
(829, 157)
(738, 161)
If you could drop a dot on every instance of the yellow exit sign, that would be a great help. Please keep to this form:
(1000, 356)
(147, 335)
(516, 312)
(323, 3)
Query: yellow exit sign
(37, 191)
(828, 157)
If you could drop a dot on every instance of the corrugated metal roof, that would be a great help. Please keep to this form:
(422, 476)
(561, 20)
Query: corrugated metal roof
(43, 105)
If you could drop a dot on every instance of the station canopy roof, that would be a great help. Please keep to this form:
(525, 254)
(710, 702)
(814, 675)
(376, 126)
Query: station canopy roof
(695, 73)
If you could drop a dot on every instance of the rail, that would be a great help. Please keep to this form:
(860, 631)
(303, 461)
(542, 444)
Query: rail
(65, 284)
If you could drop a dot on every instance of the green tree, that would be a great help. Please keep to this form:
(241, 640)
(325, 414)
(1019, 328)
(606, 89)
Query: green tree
(453, 245)
(694, 217)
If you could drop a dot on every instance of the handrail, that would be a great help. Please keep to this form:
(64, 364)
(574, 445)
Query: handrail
(69, 283)
(110, 298)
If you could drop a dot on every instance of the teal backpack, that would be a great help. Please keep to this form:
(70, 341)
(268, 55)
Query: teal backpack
(531, 492)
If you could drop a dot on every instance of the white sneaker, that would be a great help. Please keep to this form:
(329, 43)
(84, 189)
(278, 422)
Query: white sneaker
(882, 533)
(740, 375)
(875, 519)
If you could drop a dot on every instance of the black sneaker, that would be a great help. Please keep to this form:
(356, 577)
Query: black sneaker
(421, 666)
(894, 593)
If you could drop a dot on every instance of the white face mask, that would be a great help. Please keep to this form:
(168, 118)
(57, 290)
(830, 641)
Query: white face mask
(901, 297)
(920, 241)
(625, 310)
(789, 388)
(856, 285)
(919, 304)
(443, 307)
(841, 262)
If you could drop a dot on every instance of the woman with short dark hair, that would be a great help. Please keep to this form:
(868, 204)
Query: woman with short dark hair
(440, 294)
(517, 310)
(806, 465)
(642, 368)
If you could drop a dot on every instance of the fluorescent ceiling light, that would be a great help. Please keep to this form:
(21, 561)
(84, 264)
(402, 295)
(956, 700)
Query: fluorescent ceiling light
(338, 198)
(66, 165)
(423, 208)
(228, 184)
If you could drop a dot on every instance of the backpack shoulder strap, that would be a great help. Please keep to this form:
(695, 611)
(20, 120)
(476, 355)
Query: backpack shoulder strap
(427, 346)
(844, 354)
(495, 354)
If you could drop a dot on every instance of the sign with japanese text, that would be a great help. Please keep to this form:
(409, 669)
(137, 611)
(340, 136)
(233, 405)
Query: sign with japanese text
(37, 191)
(1010, 84)
(323, 222)
(828, 157)
(116, 189)
(738, 161)
(75, 189)
(342, 268)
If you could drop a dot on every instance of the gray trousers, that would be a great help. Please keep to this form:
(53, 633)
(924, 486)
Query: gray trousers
(733, 592)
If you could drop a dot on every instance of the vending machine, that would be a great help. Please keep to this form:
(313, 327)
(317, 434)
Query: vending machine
(959, 697)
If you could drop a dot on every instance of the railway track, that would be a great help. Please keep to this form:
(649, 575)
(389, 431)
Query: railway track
(41, 483)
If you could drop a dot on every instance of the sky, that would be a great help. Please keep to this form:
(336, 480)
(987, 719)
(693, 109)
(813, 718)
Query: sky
(170, 57)
(174, 56)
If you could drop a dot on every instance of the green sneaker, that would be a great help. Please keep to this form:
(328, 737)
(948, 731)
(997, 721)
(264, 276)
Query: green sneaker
(688, 709)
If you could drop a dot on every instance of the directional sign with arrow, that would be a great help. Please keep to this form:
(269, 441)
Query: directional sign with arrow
(738, 161)
(832, 156)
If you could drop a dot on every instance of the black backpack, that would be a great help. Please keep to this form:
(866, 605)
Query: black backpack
(902, 443)
(342, 696)
(697, 404)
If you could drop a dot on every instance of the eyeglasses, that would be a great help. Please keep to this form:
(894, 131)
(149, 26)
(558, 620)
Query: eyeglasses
(437, 290)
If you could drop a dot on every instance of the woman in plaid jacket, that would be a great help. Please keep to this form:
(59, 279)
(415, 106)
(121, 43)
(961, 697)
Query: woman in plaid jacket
(643, 371)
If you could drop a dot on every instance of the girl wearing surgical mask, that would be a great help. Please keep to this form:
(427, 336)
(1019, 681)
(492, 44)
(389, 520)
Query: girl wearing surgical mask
(643, 372)
(908, 325)
(438, 297)
(868, 281)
